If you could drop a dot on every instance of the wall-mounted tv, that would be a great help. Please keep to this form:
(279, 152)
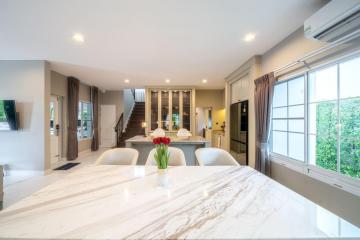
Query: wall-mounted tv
(8, 116)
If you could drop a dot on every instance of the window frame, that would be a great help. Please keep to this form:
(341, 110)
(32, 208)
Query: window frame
(334, 178)
(81, 103)
(304, 75)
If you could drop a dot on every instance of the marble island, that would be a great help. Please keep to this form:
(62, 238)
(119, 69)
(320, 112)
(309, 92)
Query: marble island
(188, 145)
(124, 202)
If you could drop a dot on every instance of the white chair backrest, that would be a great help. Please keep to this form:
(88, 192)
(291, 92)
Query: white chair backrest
(214, 157)
(176, 158)
(159, 132)
(183, 132)
(118, 156)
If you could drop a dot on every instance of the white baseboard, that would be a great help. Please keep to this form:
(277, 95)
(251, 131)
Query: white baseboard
(14, 176)
(20, 173)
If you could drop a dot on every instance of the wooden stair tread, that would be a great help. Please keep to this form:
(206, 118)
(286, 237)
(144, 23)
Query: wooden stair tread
(134, 125)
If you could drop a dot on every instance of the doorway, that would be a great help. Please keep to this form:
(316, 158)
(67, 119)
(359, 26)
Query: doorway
(55, 133)
(108, 122)
(203, 120)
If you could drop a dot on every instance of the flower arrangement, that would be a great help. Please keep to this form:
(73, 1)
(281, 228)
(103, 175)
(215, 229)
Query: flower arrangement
(162, 152)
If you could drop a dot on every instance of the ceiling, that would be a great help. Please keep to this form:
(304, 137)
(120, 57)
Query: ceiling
(147, 41)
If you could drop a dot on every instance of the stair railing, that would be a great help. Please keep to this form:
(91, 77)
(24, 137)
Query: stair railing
(119, 129)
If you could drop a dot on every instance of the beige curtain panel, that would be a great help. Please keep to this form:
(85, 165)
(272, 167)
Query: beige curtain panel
(73, 108)
(264, 91)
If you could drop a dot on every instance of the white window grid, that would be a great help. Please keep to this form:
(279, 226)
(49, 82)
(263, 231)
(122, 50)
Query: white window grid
(335, 178)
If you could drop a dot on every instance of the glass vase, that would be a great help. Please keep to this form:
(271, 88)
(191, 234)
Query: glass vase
(162, 177)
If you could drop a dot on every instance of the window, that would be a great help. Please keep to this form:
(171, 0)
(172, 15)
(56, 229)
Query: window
(288, 119)
(334, 118)
(323, 118)
(332, 114)
(84, 129)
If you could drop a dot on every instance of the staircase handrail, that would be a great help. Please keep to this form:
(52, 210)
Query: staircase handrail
(119, 128)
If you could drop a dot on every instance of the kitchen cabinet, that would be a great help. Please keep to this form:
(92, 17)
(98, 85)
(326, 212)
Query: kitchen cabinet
(240, 89)
(170, 109)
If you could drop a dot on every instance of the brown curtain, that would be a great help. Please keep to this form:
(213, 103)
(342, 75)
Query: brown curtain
(264, 90)
(95, 117)
(73, 108)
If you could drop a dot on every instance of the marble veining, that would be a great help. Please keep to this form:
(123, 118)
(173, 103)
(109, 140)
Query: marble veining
(112, 202)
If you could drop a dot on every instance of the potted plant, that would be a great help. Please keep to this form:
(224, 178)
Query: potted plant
(161, 156)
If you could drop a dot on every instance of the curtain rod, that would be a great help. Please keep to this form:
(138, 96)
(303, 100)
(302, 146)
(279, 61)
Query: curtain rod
(334, 44)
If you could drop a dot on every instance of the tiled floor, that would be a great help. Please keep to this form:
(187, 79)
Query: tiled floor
(19, 187)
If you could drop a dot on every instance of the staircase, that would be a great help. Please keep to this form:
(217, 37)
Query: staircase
(134, 125)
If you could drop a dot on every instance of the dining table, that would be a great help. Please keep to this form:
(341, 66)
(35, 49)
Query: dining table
(197, 202)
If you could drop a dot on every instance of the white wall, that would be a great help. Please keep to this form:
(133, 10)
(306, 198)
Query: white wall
(288, 50)
(113, 98)
(28, 83)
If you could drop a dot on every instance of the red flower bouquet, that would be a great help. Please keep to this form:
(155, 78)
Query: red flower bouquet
(162, 152)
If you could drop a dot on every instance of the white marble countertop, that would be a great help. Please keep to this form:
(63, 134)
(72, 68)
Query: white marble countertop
(148, 139)
(114, 202)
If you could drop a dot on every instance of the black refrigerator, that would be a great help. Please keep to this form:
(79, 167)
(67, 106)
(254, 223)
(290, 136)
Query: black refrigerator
(239, 131)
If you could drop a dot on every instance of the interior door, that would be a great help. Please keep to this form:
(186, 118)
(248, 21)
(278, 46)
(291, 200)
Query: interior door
(54, 130)
(108, 122)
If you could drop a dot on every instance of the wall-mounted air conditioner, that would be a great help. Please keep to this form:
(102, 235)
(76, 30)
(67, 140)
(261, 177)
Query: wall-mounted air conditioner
(335, 20)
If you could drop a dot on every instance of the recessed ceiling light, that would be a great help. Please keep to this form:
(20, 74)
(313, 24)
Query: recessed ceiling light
(204, 81)
(249, 37)
(126, 80)
(167, 80)
(78, 37)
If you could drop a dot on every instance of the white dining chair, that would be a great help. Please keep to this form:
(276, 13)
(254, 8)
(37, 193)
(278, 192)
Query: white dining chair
(176, 158)
(214, 157)
(118, 156)
(159, 132)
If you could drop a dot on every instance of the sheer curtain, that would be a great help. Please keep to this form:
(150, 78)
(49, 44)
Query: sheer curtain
(264, 90)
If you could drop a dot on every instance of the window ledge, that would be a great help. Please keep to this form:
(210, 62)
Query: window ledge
(288, 162)
(334, 179)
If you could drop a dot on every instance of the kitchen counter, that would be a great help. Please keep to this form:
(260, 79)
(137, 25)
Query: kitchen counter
(190, 140)
(117, 202)
(144, 146)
